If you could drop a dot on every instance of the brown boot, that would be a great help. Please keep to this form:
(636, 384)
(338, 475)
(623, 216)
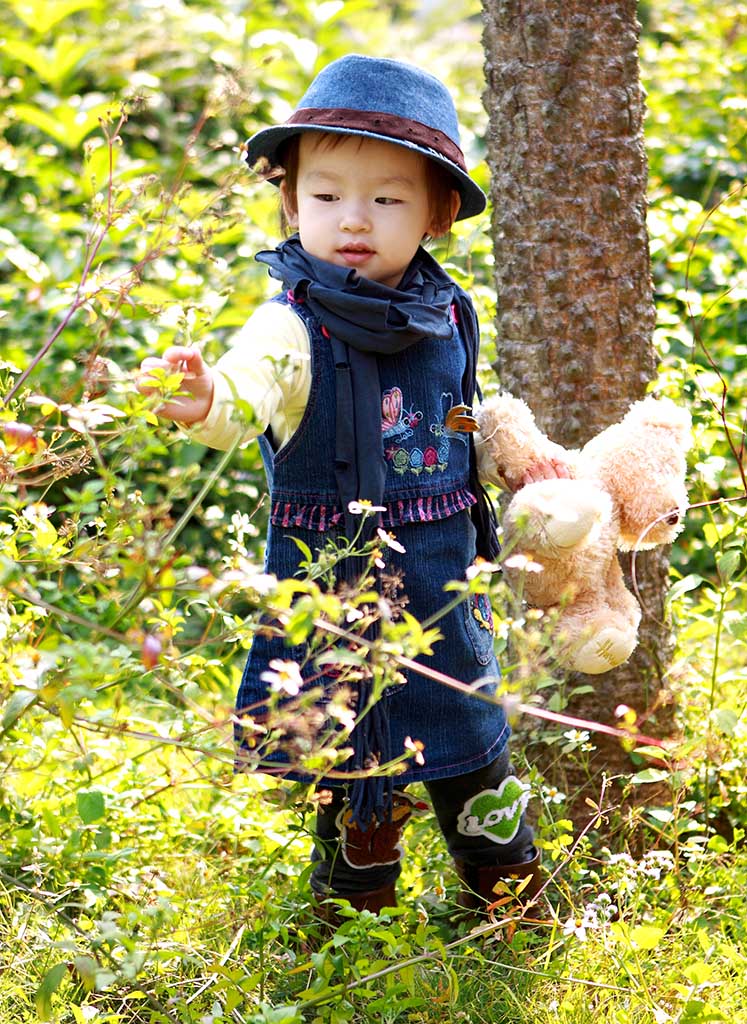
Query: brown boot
(479, 884)
(374, 900)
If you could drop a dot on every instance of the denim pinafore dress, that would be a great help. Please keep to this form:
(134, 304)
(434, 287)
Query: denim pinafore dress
(427, 501)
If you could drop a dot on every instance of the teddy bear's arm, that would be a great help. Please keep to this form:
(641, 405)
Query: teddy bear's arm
(487, 470)
(511, 449)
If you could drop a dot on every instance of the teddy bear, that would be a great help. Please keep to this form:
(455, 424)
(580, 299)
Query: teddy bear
(626, 491)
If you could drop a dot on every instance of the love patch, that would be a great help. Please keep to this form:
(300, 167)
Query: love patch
(495, 813)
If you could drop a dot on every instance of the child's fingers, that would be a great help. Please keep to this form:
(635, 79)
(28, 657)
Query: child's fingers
(185, 358)
(144, 380)
(546, 469)
(178, 358)
(561, 469)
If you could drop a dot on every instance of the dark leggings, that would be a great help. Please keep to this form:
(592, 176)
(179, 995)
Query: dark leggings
(334, 872)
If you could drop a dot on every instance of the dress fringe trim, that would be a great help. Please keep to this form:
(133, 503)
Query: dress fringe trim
(323, 517)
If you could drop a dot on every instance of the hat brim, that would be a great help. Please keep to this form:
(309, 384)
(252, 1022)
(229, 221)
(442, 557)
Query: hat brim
(267, 142)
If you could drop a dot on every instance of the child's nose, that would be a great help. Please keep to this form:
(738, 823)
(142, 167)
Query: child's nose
(354, 218)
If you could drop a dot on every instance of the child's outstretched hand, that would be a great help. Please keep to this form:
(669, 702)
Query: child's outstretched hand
(197, 384)
(546, 469)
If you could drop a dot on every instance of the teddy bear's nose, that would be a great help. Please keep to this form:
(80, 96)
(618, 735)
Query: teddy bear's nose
(673, 518)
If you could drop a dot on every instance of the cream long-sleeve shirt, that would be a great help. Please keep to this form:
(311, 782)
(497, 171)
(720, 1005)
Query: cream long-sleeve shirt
(268, 366)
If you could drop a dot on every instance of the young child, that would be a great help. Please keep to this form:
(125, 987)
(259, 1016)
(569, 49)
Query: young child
(372, 403)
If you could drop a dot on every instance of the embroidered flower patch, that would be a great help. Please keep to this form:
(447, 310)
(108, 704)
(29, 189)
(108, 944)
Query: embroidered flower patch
(482, 613)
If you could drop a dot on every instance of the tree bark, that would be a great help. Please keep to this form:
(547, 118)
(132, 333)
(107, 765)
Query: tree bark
(575, 303)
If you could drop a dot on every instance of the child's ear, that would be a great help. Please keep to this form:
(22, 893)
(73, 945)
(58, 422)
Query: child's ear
(443, 227)
(289, 206)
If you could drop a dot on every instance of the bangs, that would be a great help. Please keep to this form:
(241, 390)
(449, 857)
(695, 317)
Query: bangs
(440, 185)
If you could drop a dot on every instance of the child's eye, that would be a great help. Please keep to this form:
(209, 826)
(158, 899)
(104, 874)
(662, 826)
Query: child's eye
(325, 197)
(388, 201)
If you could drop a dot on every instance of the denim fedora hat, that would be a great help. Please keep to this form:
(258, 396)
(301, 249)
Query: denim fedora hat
(378, 99)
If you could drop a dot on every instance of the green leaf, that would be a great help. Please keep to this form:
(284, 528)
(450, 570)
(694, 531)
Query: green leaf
(19, 701)
(50, 983)
(698, 973)
(649, 752)
(303, 548)
(91, 805)
(52, 65)
(737, 628)
(728, 564)
(67, 124)
(649, 775)
(714, 533)
(299, 626)
(683, 586)
(42, 15)
(717, 844)
(26, 261)
(276, 1015)
(646, 936)
(725, 719)
(86, 967)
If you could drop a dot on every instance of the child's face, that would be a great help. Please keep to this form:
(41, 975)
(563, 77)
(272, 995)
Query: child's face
(361, 204)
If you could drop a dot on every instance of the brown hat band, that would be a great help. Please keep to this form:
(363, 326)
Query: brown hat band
(390, 125)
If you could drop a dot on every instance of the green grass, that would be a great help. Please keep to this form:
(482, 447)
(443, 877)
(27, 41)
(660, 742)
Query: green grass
(187, 899)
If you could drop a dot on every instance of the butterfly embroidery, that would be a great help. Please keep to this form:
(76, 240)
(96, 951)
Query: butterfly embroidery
(396, 422)
(456, 423)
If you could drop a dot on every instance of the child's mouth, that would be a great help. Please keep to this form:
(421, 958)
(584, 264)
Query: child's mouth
(355, 255)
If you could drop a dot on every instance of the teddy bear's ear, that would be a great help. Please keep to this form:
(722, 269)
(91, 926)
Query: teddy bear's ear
(653, 517)
(641, 461)
(662, 414)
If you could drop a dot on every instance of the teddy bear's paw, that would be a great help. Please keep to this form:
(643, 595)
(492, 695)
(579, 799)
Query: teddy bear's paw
(570, 527)
(606, 650)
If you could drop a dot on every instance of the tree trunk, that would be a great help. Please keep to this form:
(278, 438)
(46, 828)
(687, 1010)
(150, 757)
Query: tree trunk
(575, 304)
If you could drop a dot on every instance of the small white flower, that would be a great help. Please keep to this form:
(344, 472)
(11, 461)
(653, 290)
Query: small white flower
(577, 735)
(344, 714)
(364, 508)
(262, 582)
(576, 926)
(390, 540)
(417, 749)
(621, 858)
(553, 794)
(604, 907)
(283, 677)
(240, 523)
(37, 513)
(89, 415)
(654, 862)
(522, 562)
(31, 668)
(481, 568)
(243, 572)
(591, 917)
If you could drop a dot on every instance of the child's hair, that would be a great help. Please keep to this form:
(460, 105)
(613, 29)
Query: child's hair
(438, 182)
